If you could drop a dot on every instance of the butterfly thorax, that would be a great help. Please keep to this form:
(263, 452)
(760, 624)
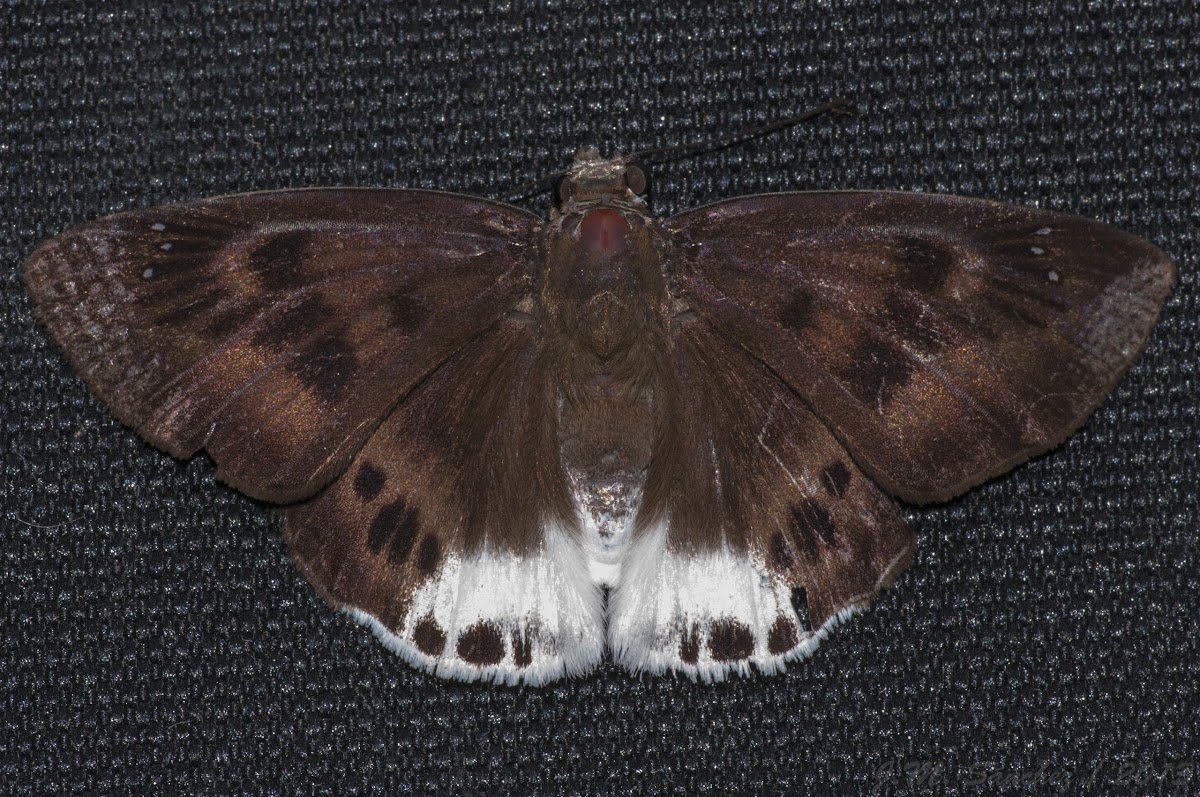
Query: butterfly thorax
(604, 291)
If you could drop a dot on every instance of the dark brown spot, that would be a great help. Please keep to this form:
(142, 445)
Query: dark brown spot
(327, 367)
(481, 644)
(797, 312)
(836, 479)
(812, 525)
(406, 534)
(384, 525)
(278, 263)
(876, 371)
(522, 647)
(783, 556)
(689, 645)
(820, 521)
(429, 637)
(406, 311)
(803, 539)
(396, 522)
(730, 640)
(295, 324)
(800, 607)
(369, 481)
(429, 555)
(782, 637)
(927, 265)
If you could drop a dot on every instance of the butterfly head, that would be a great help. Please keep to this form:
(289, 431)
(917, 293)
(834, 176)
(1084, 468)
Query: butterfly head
(596, 180)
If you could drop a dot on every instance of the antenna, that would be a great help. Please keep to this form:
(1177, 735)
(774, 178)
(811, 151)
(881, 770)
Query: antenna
(840, 105)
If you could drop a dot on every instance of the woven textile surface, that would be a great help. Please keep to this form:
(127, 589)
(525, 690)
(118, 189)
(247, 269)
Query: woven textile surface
(154, 636)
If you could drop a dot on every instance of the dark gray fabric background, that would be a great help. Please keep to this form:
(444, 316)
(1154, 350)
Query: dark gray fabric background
(154, 637)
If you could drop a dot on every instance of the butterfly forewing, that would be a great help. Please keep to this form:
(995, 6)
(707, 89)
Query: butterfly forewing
(276, 329)
(942, 339)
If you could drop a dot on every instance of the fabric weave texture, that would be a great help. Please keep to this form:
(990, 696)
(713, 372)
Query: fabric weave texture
(154, 637)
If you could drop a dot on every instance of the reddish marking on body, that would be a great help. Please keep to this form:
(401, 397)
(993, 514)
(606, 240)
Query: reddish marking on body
(603, 230)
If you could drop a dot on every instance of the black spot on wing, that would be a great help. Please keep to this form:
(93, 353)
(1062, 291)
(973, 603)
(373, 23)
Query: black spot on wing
(876, 371)
(926, 264)
(782, 555)
(406, 532)
(836, 479)
(383, 526)
(782, 637)
(481, 644)
(812, 527)
(522, 648)
(369, 482)
(800, 607)
(406, 311)
(326, 367)
(429, 555)
(796, 312)
(429, 637)
(278, 262)
(230, 318)
(397, 523)
(689, 645)
(730, 640)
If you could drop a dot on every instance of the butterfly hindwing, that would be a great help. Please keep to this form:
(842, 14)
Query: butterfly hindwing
(943, 339)
(276, 329)
(748, 501)
(453, 534)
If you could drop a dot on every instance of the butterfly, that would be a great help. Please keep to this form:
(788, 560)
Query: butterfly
(509, 445)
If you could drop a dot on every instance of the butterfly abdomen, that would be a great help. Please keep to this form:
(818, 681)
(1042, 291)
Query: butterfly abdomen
(604, 316)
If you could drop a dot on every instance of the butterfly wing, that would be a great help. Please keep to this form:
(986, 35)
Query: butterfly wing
(943, 340)
(275, 330)
(748, 499)
(453, 535)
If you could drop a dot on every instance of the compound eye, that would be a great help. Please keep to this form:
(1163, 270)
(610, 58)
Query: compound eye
(562, 189)
(635, 179)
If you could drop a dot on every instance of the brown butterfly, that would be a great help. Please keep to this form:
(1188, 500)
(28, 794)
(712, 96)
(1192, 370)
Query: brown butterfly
(477, 419)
